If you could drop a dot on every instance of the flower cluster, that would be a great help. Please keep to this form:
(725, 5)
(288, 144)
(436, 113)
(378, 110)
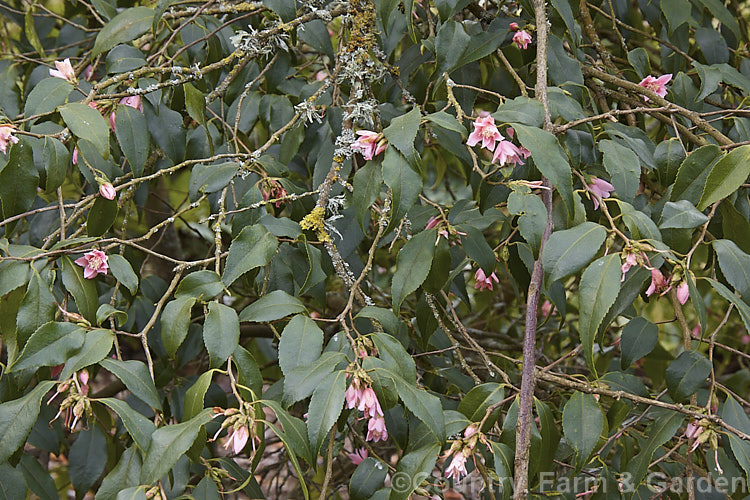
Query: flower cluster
(445, 229)
(360, 395)
(76, 404)
(522, 38)
(486, 132)
(240, 424)
(93, 263)
(370, 144)
(273, 190)
(633, 255)
(461, 450)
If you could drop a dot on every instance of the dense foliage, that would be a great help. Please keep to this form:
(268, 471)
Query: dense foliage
(366, 249)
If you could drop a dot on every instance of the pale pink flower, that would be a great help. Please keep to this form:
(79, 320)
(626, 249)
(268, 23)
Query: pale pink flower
(369, 404)
(548, 308)
(507, 152)
(656, 85)
(320, 76)
(107, 191)
(432, 222)
(134, 101)
(683, 292)
(658, 283)
(358, 455)
(93, 263)
(6, 136)
(470, 430)
(483, 282)
(370, 144)
(75, 156)
(237, 439)
(352, 396)
(485, 131)
(631, 259)
(457, 467)
(514, 26)
(83, 376)
(601, 189)
(522, 39)
(64, 70)
(693, 430)
(376, 430)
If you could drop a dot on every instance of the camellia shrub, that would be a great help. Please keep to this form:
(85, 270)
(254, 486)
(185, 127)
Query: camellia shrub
(389, 249)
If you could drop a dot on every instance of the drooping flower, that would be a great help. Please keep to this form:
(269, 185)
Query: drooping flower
(630, 259)
(75, 156)
(457, 468)
(507, 152)
(522, 39)
(358, 455)
(432, 222)
(484, 282)
(272, 189)
(486, 132)
(658, 283)
(656, 85)
(369, 404)
(6, 136)
(370, 144)
(601, 189)
(693, 430)
(376, 430)
(107, 191)
(683, 292)
(237, 439)
(64, 70)
(93, 263)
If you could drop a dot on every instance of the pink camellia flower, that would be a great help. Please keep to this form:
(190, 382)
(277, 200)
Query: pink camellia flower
(370, 144)
(369, 404)
(274, 190)
(134, 101)
(237, 439)
(485, 131)
(483, 282)
(522, 39)
(507, 152)
(93, 263)
(358, 455)
(353, 395)
(631, 259)
(457, 467)
(107, 191)
(75, 156)
(658, 283)
(656, 85)
(376, 430)
(64, 70)
(683, 292)
(601, 189)
(514, 26)
(6, 136)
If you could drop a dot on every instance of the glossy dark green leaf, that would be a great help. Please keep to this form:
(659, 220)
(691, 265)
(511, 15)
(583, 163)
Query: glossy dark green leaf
(403, 130)
(273, 306)
(167, 130)
(325, 407)
(741, 305)
(132, 134)
(367, 478)
(735, 265)
(532, 217)
(477, 249)
(50, 345)
(195, 102)
(17, 417)
(124, 27)
(102, 215)
(84, 290)
(203, 285)
(726, 176)
(87, 457)
(221, 333)
(126, 474)
(583, 423)
(735, 225)
(392, 352)
(124, 58)
(134, 374)
(123, 272)
(661, 430)
(87, 123)
(196, 395)
(413, 265)
(56, 159)
(686, 374)
(414, 468)
(37, 308)
(599, 287)
(570, 250)
(367, 183)
(681, 215)
(47, 95)
(175, 320)
(315, 34)
(733, 414)
(300, 344)
(520, 110)
(450, 43)
(139, 427)
(301, 381)
(638, 339)
(252, 248)
(13, 485)
(96, 346)
(476, 402)
(18, 180)
(624, 168)
(423, 405)
(404, 182)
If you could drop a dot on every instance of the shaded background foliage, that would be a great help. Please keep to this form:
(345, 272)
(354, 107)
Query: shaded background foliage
(259, 265)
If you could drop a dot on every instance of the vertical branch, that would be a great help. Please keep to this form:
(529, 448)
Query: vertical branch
(526, 398)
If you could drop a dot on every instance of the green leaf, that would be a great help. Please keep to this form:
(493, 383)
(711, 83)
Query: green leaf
(600, 285)
(735, 226)
(252, 248)
(168, 444)
(533, 217)
(87, 123)
(175, 321)
(132, 134)
(31, 34)
(325, 407)
(248, 372)
(503, 460)
(124, 58)
(423, 405)
(741, 306)
(167, 130)
(450, 43)
(413, 265)
(663, 429)
(272, 306)
(638, 339)
(302, 380)
(123, 273)
(638, 58)
(133, 493)
(211, 178)
(405, 184)
(367, 183)
(477, 249)
(402, 131)
(568, 251)
(686, 374)
(221, 333)
(17, 417)
(124, 27)
(88, 457)
(520, 110)
(720, 12)
(735, 265)
(681, 215)
(677, 13)
(295, 431)
(286, 9)
(367, 478)
(56, 158)
(414, 468)
(195, 102)
(392, 352)
(551, 161)
(583, 423)
(139, 427)
(195, 396)
(13, 485)
(447, 121)
(733, 414)
(84, 291)
(95, 348)
(46, 96)
(668, 156)
(50, 345)
(37, 308)
(624, 168)
(691, 177)
(203, 285)
(18, 180)
(300, 344)
(476, 402)
(484, 43)
(728, 174)
(315, 34)
(134, 374)
(126, 474)
(101, 216)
